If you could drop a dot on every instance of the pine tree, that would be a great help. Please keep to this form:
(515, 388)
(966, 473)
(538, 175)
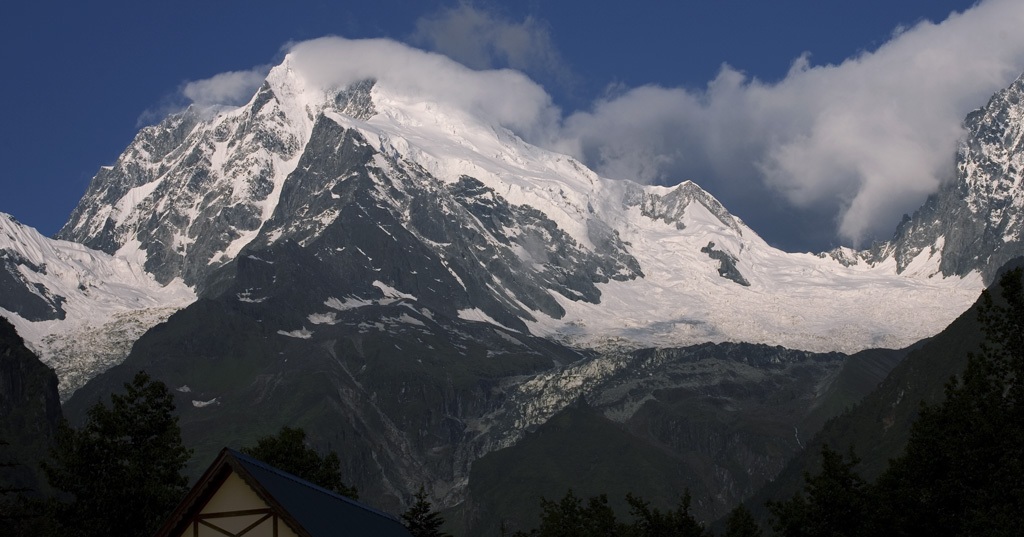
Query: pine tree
(649, 522)
(962, 472)
(835, 502)
(741, 523)
(563, 518)
(120, 473)
(568, 517)
(287, 450)
(599, 518)
(421, 519)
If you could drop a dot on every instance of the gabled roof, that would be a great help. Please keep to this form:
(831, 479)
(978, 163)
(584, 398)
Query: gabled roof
(310, 510)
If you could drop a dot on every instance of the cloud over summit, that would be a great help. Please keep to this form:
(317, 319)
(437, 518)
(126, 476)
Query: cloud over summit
(841, 150)
(866, 139)
(505, 97)
(230, 88)
(482, 39)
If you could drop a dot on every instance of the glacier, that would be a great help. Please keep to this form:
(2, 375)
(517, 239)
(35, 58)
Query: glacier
(195, 192)
(106, 302)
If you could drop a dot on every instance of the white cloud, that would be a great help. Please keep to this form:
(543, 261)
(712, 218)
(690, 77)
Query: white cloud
(231, 88)
(505, 97)
(828, 149)
(868, 138)
(483, 39)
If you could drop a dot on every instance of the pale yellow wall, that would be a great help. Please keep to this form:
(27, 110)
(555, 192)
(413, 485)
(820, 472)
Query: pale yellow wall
(236, 495)
(233, 495)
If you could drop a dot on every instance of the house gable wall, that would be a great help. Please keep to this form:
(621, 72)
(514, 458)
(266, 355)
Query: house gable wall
(234, 508)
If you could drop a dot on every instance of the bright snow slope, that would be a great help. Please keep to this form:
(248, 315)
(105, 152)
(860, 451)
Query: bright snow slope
(800, 301)
(108, 303)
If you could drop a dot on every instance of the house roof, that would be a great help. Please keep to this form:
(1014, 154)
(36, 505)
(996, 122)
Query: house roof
(311, 510)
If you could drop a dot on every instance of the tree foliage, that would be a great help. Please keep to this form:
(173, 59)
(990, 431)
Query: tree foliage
(648, 522)
(421, 519)
(571, 517)
(741, 523)
(121, 472)
(962, 472)
(287, 450)
(835, 502)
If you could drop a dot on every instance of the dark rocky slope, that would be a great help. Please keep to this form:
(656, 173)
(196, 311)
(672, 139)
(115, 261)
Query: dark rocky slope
(29, 411)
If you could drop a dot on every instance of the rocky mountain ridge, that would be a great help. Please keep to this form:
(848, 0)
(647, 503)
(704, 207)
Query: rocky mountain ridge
(29, 415)
(79, 309)
(528, 238)
(973, 223)
(423, 287)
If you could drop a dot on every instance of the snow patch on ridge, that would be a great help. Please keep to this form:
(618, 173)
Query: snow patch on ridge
(323, 318)
(476, 314)
(449, 144)
(203, 404)
(391, 294)
(348, 303)
(301, 333)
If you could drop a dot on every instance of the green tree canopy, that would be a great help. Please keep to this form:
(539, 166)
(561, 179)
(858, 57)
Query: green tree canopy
(568, 517)
(121, 472)
(649, 522)
(287, 450)
(741, 523)
(835, 502)
(962, 472)
(421, 519)
(571, 517)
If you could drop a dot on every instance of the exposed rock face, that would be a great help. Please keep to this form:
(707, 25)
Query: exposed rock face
(427, 198)
(32, 301)
(671, 206)
(975, 222)
(78, 309)
(726, 264)
(189, 192)
(719, 420)
(411, 396)
(401, 278)
(29, 410)
(453, 246)
(399, 389)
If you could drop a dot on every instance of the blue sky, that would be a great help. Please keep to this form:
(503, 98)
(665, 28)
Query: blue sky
(82, 77)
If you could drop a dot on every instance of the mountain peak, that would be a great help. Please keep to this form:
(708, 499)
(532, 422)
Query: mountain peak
(397, 166)
(671, 204)
(975, 222)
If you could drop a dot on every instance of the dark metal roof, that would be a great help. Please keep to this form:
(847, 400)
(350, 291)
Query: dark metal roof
(311, 510)
(319, 511)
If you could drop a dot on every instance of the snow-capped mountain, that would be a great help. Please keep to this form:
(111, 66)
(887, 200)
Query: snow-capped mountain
(416, 282)
(189, 193)
(463, 214)
(79, 308)
(975, 223)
